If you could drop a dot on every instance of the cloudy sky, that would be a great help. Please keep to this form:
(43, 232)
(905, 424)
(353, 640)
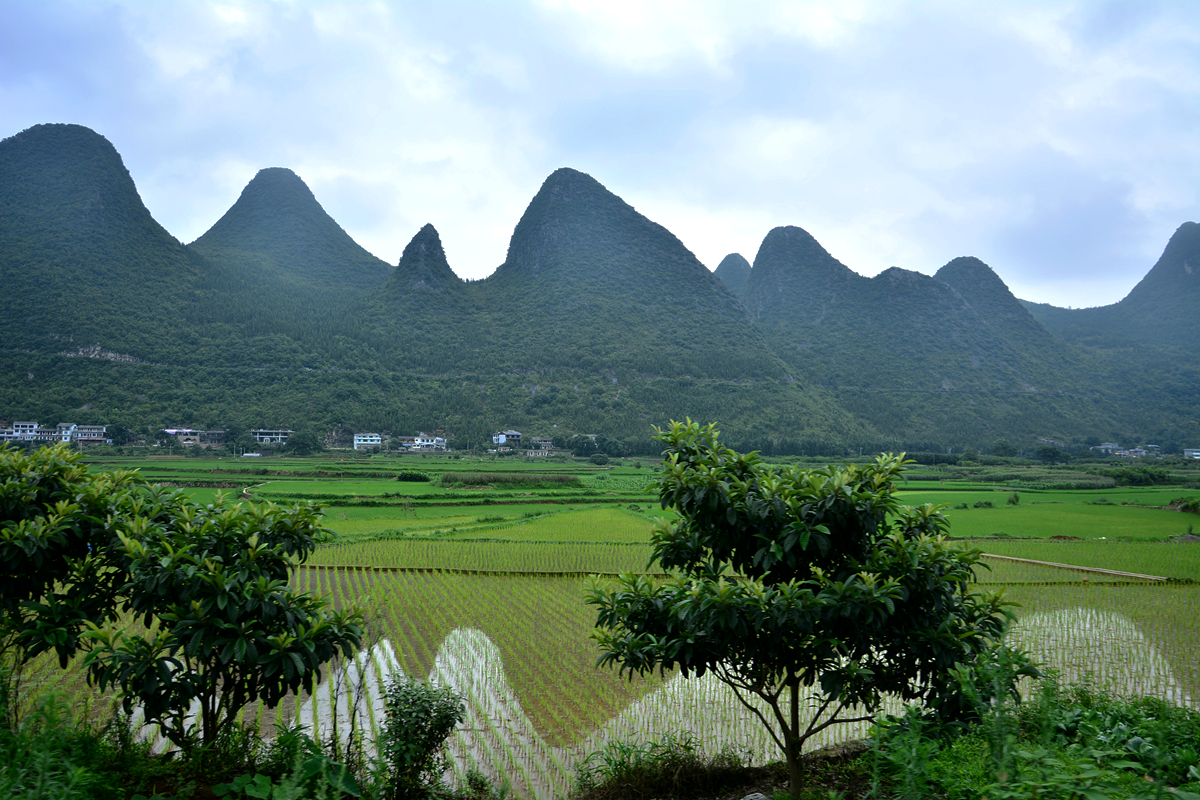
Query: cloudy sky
(1057, 141)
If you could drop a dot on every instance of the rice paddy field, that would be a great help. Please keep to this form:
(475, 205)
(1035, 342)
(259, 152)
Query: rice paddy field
(479, 584)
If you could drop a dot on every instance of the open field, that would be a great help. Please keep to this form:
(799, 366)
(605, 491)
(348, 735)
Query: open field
(481, 586)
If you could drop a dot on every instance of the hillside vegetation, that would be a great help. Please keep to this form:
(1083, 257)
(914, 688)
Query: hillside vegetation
(598, 321)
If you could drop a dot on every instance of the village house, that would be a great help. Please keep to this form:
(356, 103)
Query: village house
(270, 435)
(62, 432)
(507, 439)
(365, 441)
(427, 441)
(193, 438)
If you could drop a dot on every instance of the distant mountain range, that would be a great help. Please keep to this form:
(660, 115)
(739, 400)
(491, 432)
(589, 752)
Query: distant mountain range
(598, 321)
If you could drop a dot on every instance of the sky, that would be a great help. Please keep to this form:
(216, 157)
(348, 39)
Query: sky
(1059, 142)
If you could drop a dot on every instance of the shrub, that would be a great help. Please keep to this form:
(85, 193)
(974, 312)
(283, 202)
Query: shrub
(524, 480)
(412, 476)
(1189, 504)
(984, 504)
(672, 766)
(419, 718)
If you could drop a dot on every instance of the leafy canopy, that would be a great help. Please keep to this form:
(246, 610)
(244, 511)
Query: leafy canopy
(797, 587)
(176, 604)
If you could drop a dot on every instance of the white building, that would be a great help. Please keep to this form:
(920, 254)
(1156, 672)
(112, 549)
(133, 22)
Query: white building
(62, 432)
(1191, 452)
(425, 441)
(507, 439)
(270, 435)
(364, 441)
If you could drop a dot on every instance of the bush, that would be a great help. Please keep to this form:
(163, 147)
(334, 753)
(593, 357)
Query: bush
(599, 459)
(412, 476)
(1141, 476)
(984, 504)
(419, 718)
(1189, 504)
(524, 480)
(669, 767)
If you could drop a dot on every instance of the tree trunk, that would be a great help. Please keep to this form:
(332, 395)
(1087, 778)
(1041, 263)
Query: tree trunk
(792, 740)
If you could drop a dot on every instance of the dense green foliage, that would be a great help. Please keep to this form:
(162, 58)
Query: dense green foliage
(219, 623)
(801, 587)
(1073, 742)
(598, 322)
(420, 717)
(59, 566)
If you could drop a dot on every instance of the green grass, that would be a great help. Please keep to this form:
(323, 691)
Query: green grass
(1078, 520)
(1168, 559)
(488, 556)
(590, 525)
(1000, 573)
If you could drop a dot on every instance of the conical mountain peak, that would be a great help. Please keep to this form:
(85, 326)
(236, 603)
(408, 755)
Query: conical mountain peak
(991, 298)
(734, 272)
(278, 224)
(70, 216)
(792, 271)
(1176, 274)
(423, 266)
(584, 258)
(71, 177)
(972, 278)
(571, 212)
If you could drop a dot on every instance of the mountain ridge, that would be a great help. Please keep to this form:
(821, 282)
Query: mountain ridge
(599, 320)
(278, 225)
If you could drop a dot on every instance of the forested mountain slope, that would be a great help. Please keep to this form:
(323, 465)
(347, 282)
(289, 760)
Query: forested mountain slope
(734, 272)
(598, 321)
(83, 264)
(607, 319)
(1162, 310)
(921, 357)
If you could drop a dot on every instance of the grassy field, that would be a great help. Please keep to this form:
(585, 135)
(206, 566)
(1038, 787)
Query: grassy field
(481, 581)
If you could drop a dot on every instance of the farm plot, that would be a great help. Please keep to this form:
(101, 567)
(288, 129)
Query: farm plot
(1067, 519)
(588, 525)
(1179, 560)
(540, 625)
(519, 648)
(997, 572)
(1132, 639)
(488, 556)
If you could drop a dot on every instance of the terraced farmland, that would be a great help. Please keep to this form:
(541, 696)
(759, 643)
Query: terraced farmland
(481, 586)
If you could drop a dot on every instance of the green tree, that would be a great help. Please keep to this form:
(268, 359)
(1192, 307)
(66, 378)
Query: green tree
(800, 588)
(1003, 447)
(230, 628)
(210, 584)
(1051, 454)
(58, 569)
(304, 442)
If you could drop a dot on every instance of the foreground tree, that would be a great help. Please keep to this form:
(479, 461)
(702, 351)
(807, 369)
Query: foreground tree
(801, 589)
(58, 569)
(85, 558)
(230, 630)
